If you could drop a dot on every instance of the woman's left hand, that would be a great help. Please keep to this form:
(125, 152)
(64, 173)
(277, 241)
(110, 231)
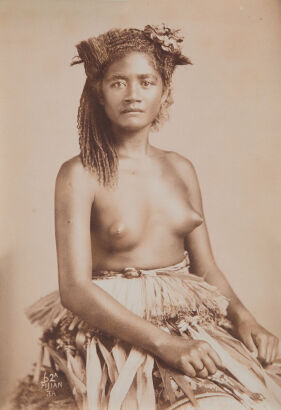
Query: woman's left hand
(258, 340)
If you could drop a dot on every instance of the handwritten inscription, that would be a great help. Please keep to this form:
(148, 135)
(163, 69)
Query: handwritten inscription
(50, 383)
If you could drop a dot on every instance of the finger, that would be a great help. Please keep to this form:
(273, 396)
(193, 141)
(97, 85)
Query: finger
(209, 365)
(188, 369)
(203, 373)
(269, 349)
(197, 364)
(274, 350)
(249, 343)
(261, 345)
(277, 351)
(215, 357)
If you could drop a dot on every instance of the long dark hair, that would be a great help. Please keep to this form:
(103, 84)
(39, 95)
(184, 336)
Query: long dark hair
(97, 149)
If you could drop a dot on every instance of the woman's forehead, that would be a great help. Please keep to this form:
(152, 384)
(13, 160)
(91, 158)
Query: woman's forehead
(133, 63)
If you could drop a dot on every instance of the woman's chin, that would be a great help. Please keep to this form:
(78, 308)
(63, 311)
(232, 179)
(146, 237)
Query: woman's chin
(133, 126)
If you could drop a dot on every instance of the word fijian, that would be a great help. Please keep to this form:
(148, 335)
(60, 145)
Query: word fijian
(50, 383)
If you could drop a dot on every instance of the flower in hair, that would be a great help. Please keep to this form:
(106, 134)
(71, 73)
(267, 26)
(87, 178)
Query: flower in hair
(168, 39)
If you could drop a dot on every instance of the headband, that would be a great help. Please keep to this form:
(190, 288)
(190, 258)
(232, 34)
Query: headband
(165, 43)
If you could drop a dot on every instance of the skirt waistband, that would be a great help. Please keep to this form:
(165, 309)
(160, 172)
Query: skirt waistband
(131, 272)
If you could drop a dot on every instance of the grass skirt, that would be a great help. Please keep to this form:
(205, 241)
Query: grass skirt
(91, 370)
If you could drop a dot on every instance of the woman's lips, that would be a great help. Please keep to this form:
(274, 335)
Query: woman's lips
(131, 111)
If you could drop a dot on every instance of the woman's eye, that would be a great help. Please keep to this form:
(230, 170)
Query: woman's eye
(147, 83)
(118, 84)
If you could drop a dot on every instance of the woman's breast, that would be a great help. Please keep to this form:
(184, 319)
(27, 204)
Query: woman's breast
(177, 214)
(128, 220)
(119, 224)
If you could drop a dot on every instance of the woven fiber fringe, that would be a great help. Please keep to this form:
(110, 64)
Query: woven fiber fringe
(104, 373)
(151, 297)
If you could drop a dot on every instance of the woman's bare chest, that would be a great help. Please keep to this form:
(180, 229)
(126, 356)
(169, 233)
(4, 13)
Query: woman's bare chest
(139, 206)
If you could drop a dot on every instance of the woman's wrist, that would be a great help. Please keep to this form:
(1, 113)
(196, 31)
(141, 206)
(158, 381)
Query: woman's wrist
(158, 342)
(239, 314)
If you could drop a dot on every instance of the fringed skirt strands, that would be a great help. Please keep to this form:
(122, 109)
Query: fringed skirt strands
(105, 373)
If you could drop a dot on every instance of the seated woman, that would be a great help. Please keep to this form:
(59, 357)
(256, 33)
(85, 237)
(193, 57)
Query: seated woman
(144, 318)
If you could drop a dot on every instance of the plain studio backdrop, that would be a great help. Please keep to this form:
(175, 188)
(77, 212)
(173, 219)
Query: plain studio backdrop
(226, 119)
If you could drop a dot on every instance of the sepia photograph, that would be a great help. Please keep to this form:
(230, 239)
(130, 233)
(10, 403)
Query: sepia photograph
(140, 204)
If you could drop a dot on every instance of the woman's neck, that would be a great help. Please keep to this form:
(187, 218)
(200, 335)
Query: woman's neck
(132, 144)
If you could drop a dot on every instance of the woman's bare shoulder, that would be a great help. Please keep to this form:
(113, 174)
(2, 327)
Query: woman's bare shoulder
(186, 172)
(74, 176)
(181, 164)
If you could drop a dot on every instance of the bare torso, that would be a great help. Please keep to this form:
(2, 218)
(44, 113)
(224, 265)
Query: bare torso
(142, 222)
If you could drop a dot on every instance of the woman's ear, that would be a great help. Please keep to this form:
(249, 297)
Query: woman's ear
(165, 95)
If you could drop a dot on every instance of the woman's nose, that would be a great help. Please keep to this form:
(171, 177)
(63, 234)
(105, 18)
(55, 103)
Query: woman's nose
(133, 93)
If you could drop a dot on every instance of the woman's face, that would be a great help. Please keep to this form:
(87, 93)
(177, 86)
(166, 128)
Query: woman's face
(132, 92)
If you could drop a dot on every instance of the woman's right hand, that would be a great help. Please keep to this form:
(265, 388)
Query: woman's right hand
(192, 357)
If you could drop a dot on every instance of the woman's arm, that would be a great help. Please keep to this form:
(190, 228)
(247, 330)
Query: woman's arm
(75, 191)
(74, 195)
(202, 262)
